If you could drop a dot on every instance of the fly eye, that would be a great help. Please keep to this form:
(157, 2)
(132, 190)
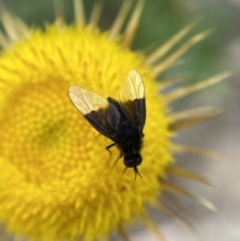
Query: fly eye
(132, 160)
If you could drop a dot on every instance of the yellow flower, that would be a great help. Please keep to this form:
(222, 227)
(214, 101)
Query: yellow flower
(57, 180)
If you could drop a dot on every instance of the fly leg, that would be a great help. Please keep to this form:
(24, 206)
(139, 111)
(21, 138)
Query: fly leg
(135, 171)
(116, 161)
(108, 149)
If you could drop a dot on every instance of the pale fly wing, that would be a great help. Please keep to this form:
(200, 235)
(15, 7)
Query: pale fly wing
(101, 114)
(132, 99)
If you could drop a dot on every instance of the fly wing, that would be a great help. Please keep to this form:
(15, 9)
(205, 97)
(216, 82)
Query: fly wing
(132, 99)
(101, 114)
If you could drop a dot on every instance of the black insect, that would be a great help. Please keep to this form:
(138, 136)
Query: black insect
(122, 122)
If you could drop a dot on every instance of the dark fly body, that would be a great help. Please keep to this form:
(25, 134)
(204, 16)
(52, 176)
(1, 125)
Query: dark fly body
(122, 121)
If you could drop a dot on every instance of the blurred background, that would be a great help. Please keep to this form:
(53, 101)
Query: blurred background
(161, 19)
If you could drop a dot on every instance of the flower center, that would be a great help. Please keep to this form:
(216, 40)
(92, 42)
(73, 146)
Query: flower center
(39, 130)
